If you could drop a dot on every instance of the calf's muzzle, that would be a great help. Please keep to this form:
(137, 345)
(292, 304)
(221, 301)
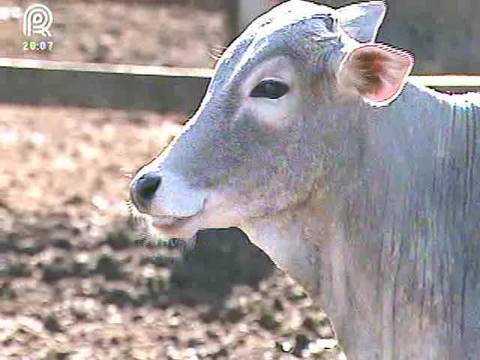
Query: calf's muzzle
(143, 189)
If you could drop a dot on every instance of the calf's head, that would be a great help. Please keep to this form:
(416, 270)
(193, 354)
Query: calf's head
(274, 122)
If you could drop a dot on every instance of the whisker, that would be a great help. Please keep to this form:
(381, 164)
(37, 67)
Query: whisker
(127, 173)
(148, 236)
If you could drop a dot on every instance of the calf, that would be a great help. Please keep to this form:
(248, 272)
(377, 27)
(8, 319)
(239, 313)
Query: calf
(362, 186)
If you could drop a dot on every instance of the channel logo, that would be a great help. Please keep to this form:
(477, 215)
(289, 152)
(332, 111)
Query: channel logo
(37, 19)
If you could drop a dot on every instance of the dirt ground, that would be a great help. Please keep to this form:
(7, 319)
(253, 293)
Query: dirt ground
(119, 32)
(78, 282)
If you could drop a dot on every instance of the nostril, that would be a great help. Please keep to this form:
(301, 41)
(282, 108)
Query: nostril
(147, 185)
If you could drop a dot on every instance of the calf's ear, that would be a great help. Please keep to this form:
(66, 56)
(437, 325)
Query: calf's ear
(376, 72)
(361, 21)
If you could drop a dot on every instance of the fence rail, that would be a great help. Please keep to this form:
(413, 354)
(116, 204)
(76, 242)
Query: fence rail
(447, 81)
(40, 82)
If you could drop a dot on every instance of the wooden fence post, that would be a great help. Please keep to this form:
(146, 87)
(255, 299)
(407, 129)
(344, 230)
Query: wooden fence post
(242, 12)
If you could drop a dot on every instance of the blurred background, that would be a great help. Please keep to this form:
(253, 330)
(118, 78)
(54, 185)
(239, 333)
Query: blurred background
(78, 280)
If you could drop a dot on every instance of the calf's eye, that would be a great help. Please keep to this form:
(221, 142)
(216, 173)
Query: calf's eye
(270, 89)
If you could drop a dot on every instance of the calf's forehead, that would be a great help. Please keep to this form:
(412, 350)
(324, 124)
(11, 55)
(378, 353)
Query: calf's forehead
(284, 16)
(297, 29)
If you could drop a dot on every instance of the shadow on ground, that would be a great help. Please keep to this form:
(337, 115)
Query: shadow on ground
(124, 270)
(220, 260)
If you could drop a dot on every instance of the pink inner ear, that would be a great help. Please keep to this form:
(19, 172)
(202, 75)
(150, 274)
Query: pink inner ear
(384, 93)
(391, 66)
